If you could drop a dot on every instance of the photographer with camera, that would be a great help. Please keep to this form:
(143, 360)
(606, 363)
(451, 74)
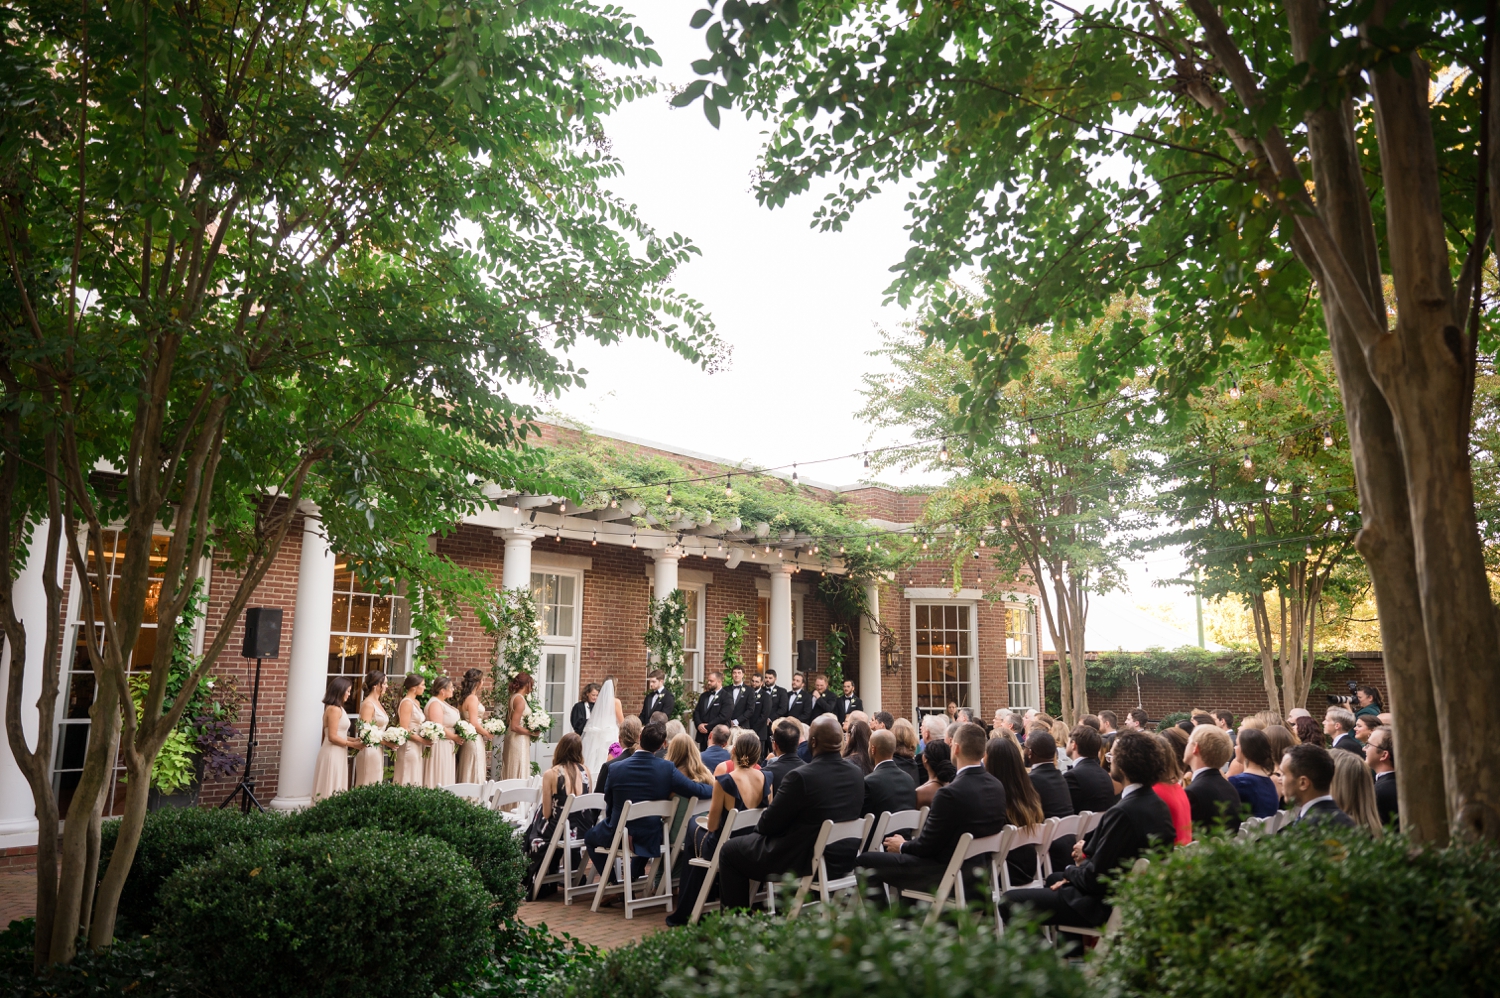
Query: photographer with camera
(1362, 701)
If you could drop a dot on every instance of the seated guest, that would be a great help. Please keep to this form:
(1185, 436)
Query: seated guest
(827, 788)
(1060, 735)
(887, 787)
(1306, 731)
(1141, 821)
(857, 747)
(674, 728)
(718, 747)
(630, 734)
(1213, 801)
(934, 727)
(639, 777)
(1051, 787)
(745, 788)
(1089, 785)
(1224, 721)
(963, 716)
(1364, 727)
(1023, 808)
(1204, 717)
(1380, 756)
(786, 735)
(1306, 778)
(881, 720)
(583, 708)
(906, 751)
(974, 802)
(681, 750)
(1252, 751)
(940, 772)
(1353, 790)
(1282, 740)
(1338, 725)
(1169, 788)
(1092, 720)
(1109, 726)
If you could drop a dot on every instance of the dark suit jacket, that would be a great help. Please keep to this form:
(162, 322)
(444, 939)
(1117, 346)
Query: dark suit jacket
(799, 705)
(603, 778)
(826, 788)
(974, 802)
(666, 704)
(1090, 787)
(1214, 802)
(642, 777)
(888, 788)
(844, 706)
(713, 755)
(1385, 798)
(579, 717)
(776, 698)
(911, 767)
(741, 710)
(1057, 802)
(1324, 812)
(824, 705)
(1349, 743)
(780, 766)
(1139, 822)
(712, 709)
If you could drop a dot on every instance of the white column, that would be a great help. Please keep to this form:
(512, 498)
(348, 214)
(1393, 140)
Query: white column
(869, 651)
(515, 572)
(17, 813)
(666, 572)
(780, 636)
(307, 675)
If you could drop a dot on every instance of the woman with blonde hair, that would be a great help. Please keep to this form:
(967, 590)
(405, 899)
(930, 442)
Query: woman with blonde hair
(682, 752)
(1353, 791)
(1061, 734)
(906, 750)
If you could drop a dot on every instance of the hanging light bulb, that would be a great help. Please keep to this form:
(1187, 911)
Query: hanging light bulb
(781, 554)
(1328, 438)
(981, 542)
(563, 505)
(1330, 507)
(632, 538)
(595, 541)
(669, 495)
(1309, 549)
(924, 545)
(815, 549)
(867, 459)
(516, 506)
(1004, 522)
(721, 545)
(868, 547)
(943, 454)
(728, 486)
(1031, 436)
(1248, 463)
(558, 536)
(794, 473)
(768, 549)
(841, 549)
(1234, 389)
(614, 503)
(1249, 559)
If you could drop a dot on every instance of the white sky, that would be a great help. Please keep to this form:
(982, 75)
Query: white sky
(800, 307)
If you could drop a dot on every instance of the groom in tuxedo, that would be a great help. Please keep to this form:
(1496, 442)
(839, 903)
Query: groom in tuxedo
(712, 708)
(658, 697)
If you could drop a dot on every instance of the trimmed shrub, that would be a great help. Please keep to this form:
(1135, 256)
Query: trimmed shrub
(131, 967)
(481, 836)
(1312, 912)
(371, 913)
(529, 962)
(171, 838)
(854, 955)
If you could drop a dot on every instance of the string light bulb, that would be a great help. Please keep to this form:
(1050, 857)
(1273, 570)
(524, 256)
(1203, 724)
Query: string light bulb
(595, 541)
(1329, 507)
(1248, 463)
(1234, 389)
(669, 495)
(943, 453)
(1031, 436)
(1249, 559)
(868, 547)
(867, 459)
(794, 473)
(632, 538)
(728, 486)
(1327, 438)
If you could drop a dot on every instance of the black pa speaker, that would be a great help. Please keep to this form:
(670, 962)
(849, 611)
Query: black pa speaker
(262, 632)
(807, 656)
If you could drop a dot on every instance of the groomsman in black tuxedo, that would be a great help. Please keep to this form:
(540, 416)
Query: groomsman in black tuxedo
(828, 788)
(760, 705)
(711, 709)
(973, 802)
(848, 703)
(776, 697)
(822, 702)
(1075, 896)
(799, 702)
(741, 703)
(658, 697)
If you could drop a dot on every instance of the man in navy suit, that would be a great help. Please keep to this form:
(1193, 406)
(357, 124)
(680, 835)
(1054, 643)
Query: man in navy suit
(1306, 776)
(642, 777)
(718, 748)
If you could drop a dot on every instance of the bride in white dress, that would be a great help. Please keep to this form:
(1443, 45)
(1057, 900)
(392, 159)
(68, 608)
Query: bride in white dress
(602, 729)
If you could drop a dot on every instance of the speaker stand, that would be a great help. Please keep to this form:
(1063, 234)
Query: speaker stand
(246, 787)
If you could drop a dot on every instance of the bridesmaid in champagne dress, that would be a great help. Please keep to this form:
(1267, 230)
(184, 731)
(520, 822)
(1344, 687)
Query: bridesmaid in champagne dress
(332, 773)
(473, 757)
(369, 764)
(409, 768)
(516, 761)
(441, 769)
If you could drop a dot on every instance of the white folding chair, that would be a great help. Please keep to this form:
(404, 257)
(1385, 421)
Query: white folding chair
(487, 791)
(512, 785)
(831, 832)
(574, 881)
(733, 821)
(468, 791)
(622, 849)
(951, 884)
(696, 807)
(1088, 821)
(527, 797)
(1060, 828)
(1035, 835)
(563, 838)
(891, 822)
(1109, 928)
(1250, 828)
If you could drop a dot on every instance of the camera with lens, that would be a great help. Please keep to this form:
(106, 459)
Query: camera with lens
(1348, 699)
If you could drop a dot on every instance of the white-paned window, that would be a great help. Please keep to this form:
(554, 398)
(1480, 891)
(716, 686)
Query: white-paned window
(943, 651)
(367, 631)
(557, 597)
(1020, 658)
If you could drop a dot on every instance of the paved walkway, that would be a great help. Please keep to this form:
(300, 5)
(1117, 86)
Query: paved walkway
(607, 929)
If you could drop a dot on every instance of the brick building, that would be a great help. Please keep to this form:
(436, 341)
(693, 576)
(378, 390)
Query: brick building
(594, 571)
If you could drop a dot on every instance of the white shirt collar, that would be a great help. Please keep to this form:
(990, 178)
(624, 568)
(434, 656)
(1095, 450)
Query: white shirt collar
(972, 765)
(1201, 769)
(1131, 788)
(1315, 800)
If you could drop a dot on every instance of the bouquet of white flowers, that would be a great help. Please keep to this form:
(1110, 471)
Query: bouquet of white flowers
(371, 733)
(493, 725)
(536, 721)
(465, 731)
(432, 731)
(396, 735)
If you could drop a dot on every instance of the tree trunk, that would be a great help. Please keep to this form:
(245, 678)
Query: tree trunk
(93, 783)
(1063, 641)
(137, 795)
(1422, 372)
(1078, 650)
(1264, 640)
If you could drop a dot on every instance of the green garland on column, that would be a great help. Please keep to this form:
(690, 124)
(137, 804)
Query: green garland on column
(664, 638)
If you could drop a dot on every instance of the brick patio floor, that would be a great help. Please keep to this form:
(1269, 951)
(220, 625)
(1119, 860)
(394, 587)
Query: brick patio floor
(607, 929)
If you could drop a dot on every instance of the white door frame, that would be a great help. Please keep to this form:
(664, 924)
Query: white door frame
(541, 749)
